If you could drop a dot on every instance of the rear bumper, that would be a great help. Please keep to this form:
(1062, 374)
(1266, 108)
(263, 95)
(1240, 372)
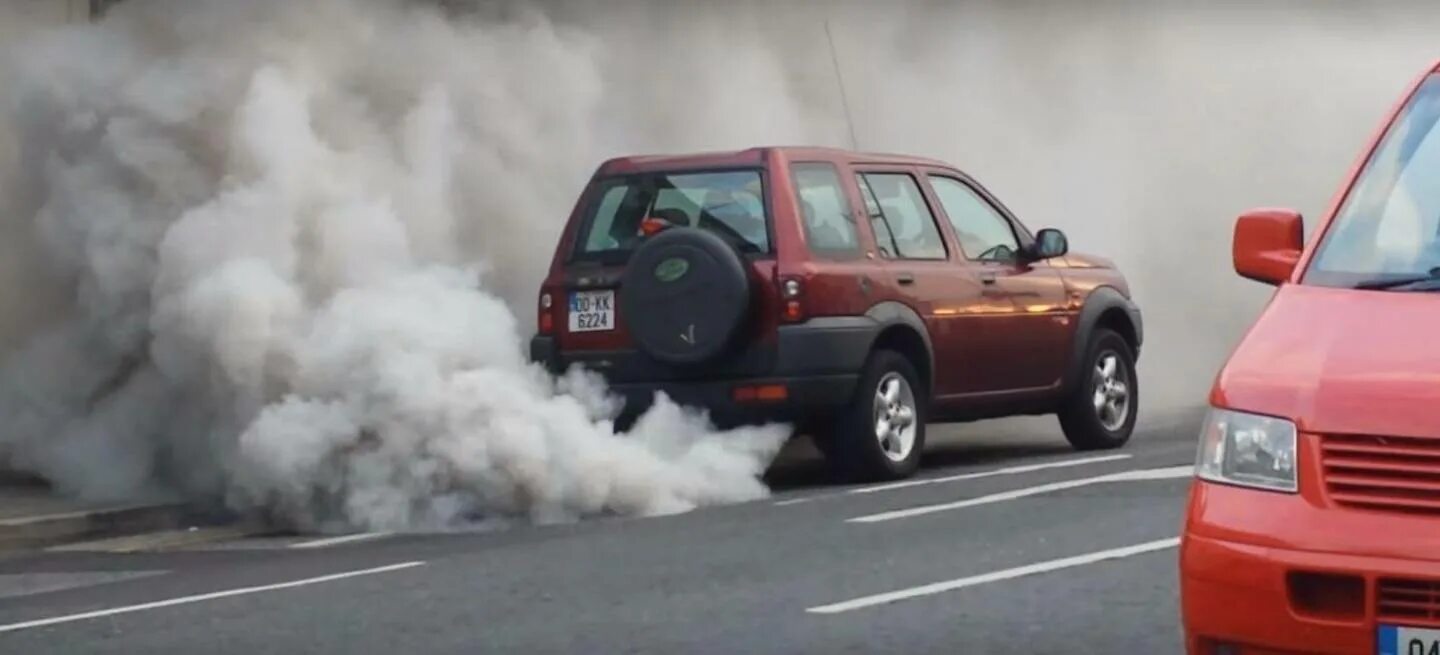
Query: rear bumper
(1248, 593)
(807, 398)
(818, 362)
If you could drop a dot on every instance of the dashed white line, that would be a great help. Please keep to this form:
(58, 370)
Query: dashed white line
(69, 618)
(1009, 470)
(996, 576)
(342, 539)
(1142, 475)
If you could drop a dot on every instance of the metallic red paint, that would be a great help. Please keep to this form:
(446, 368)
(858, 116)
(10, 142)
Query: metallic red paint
(1336, 362)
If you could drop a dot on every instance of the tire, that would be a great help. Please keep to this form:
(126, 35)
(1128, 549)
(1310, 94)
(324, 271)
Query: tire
(1099, 414)
(853, 447)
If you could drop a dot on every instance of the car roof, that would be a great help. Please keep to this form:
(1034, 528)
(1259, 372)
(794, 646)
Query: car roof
(756, 157)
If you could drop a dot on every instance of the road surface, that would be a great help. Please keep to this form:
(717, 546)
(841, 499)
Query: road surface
(1007, 542)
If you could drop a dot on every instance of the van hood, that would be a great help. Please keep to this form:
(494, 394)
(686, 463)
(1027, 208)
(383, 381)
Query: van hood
(1341, 361)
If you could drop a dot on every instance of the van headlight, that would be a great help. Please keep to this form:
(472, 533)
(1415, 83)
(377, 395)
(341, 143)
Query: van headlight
(1248, 450)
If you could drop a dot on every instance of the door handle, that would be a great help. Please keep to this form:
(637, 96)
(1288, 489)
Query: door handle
(987, 278)
(905, 278)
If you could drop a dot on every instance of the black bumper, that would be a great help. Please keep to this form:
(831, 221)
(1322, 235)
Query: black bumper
(808, 399)
(818, 362)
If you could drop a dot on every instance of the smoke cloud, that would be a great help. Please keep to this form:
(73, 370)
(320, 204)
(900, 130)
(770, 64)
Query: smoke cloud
(284, 254)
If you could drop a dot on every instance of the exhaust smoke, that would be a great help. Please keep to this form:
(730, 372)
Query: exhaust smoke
(284, 254)
(288, 228)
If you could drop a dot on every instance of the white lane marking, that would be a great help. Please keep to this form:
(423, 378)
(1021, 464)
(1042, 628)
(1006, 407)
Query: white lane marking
(342, 539)
(69, 618)
(996, 576)
(1009, 470)
(1141, 475)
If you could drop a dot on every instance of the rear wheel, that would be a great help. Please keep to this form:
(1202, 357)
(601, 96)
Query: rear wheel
(1100, 413)
(881, 434)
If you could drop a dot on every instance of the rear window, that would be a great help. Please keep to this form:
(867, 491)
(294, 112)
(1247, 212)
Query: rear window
(730, 204)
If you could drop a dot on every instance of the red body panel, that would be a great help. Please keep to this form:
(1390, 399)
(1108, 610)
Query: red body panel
(998, 340)
(1343, 364)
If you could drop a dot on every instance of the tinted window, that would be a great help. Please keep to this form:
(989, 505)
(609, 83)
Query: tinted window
(829, 224)
(903, 224)
(730, 204)
(982, 232)
(1389, 226)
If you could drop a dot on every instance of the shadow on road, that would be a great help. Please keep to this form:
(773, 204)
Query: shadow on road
(1000, 442)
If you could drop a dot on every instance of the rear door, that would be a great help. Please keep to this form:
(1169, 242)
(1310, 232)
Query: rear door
(925, 276)
(1030, 299)
(591, 327)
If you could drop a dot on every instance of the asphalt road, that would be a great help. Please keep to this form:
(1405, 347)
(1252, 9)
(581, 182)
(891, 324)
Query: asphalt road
(1007, 543)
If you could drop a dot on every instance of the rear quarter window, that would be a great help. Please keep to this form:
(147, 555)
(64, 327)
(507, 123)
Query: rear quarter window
(825, 213)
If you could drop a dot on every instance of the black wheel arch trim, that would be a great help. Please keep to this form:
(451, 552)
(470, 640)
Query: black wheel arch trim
(1101, 302)
(889, 314)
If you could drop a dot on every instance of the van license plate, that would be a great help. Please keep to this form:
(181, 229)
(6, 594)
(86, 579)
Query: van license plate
(592, 311)
(1399, 640)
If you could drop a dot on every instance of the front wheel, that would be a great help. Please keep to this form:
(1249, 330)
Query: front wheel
(880, 436)
(1100, 412)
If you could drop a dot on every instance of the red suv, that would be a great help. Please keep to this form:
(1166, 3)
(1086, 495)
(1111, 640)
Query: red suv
(857, 296)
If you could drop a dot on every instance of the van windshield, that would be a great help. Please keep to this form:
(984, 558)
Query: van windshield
(728, 203)
(1389, 228)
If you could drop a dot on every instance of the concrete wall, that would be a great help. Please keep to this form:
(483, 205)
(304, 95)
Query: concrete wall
(39, 12)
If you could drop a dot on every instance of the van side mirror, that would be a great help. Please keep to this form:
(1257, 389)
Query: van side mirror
(1049, 243)
(1267, 244)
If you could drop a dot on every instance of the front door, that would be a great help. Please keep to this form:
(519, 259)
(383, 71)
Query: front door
(1034, 314)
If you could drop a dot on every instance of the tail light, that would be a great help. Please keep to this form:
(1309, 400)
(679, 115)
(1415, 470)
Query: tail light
(546, 315)
(792, 295)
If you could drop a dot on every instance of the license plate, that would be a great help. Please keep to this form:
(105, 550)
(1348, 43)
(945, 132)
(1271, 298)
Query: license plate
(592, 311)
(1400, 640)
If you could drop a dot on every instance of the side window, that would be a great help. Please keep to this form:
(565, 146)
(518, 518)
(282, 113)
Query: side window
(904, 226)
(825, 213)
(983, 233)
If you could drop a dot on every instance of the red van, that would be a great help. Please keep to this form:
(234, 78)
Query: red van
(1314, 521)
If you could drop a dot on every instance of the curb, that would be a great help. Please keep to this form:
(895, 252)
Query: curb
(33, 532)
(166, 540)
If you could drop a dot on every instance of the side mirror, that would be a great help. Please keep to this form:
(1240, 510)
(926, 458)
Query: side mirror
(1268, 243)
(1049, 243)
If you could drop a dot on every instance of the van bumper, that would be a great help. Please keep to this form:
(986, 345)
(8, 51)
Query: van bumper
(1247, 586)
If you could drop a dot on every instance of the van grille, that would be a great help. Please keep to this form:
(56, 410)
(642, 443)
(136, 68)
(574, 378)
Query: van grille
(1408, 600)
(1400, 474)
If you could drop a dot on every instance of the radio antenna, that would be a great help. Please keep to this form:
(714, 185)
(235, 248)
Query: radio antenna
(840, 84)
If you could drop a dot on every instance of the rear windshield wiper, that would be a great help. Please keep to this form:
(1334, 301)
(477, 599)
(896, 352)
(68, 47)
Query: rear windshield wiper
(1428, 282)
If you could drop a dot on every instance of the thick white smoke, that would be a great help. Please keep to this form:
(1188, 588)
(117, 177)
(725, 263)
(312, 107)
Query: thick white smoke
(286, 251)
(289, 228)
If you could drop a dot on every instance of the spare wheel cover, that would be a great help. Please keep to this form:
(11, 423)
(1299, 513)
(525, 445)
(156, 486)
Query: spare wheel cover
(684, 295)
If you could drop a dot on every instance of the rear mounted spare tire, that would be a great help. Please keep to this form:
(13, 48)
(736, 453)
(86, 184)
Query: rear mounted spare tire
(684, 295)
